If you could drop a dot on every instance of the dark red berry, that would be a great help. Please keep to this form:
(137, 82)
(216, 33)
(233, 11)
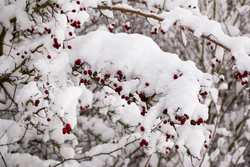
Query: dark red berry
(70, 33)
(64, 130)
(78, 62)
(142, 128)
(176, 146)
(48, 119)
(49, 57)
(192, 122)
(69, 47)
(68, 127)
(147, 84)
(171, 123)
(89, 72)
(175, 76)
(46, 92)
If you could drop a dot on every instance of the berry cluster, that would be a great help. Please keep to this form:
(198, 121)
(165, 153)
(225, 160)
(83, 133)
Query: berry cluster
(143, 111)
(78, 62)
(238, 75)
(48, 30)
(193, 122)
(168, 149)
(143, 97)
(168, 136)
(203, 93)
(127, 27)
(56, 44)
(155, 31)
(76, 24)
(162, 31)
(129, 98)
(143, 142)
(31, 30)
(37, 102)
(182, 119)
(67, 129)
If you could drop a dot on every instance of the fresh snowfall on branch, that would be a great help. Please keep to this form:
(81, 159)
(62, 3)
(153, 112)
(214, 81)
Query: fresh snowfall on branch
(124, 83)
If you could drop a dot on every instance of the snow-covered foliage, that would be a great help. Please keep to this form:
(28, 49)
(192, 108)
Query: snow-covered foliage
(124, 83)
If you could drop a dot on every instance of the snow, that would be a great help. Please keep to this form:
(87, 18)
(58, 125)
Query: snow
(94, 107)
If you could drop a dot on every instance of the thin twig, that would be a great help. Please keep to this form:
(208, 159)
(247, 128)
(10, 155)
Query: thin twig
(3, 160)
(248, 143)
(148, 160)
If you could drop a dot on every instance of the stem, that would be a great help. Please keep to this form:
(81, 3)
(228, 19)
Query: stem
(148, 160)
(3, 160)
(2, 40)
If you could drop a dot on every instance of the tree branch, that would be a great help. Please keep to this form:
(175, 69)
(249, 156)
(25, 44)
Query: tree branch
(157, 17)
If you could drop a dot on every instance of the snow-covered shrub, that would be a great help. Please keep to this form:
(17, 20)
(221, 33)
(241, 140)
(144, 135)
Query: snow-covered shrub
(87, 83)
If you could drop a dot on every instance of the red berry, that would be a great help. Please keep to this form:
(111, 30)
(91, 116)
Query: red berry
(142, 128)
(90, 72)
(102, 81)
(171, 123)
(78, 2)
(210, 136)
(115, 84)
(18, 54)
(192, 122)
(48, 119)
(37, 101)
(49, 57)
(55, 39)
(64, 130)
(176, 146)
(85, 72)
(73, 10)
(147, 84)
(200, 120)
(69, 47)
(175, 76)
(22, 56)
(70, 33)
(68, 127)
(46, 92)
(206, 146)
(141, 144)
(165, 111)
(146, 144)
(165, 122)
(57, 5)
(233, 58)
(78, 62)
(40, 33)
